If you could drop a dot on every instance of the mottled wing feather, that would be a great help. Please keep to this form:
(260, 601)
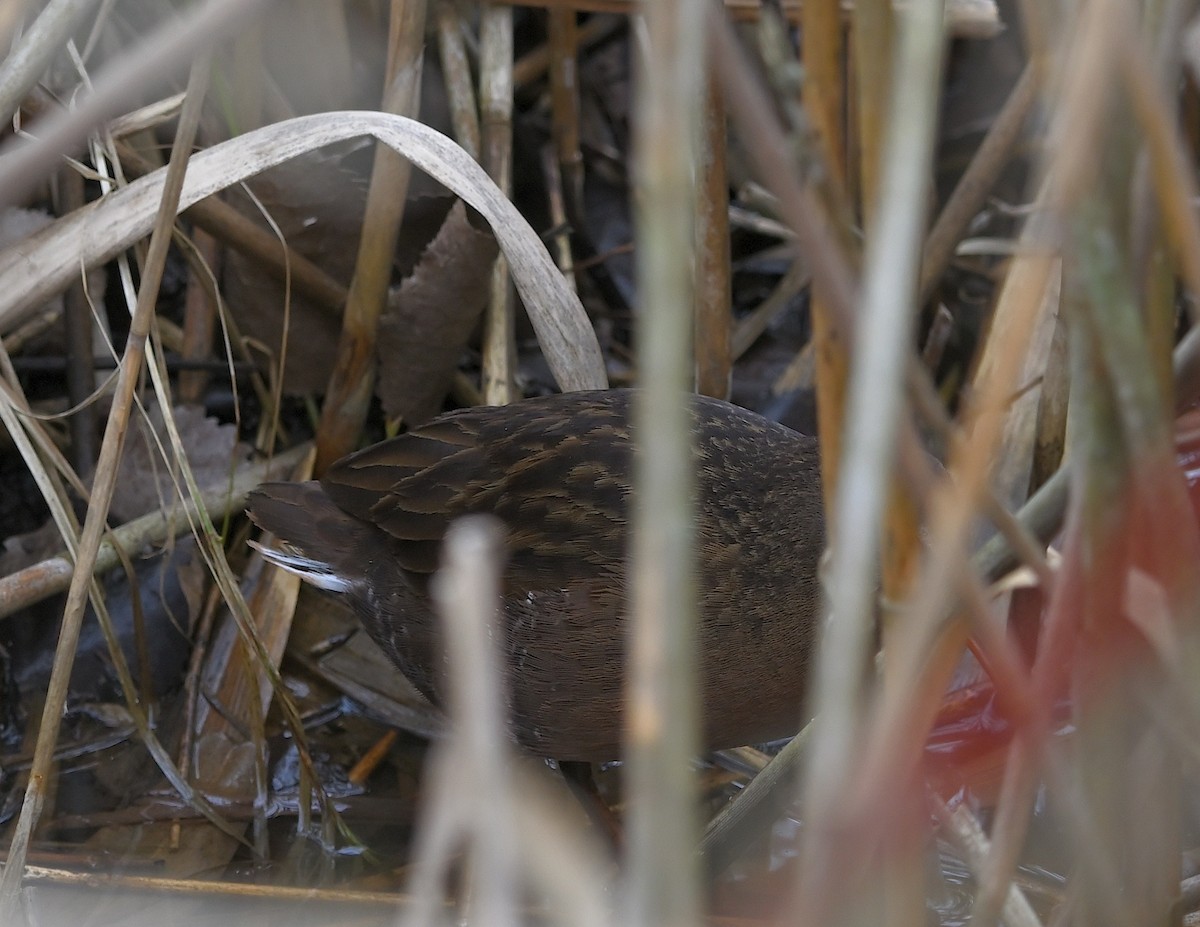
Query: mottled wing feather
(358, 481)
(409, 486)
(565, 484)
(558, 467)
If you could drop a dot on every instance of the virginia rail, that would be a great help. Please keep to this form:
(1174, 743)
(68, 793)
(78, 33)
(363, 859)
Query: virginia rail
(556, 472)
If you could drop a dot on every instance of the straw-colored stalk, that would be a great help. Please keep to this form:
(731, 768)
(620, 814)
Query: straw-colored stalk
(661, 733)
(873, 414)
(352, 383)
(496, 107)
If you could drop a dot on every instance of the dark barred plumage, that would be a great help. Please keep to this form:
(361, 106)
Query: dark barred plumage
(556, 472)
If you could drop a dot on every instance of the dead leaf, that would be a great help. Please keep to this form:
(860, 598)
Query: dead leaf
(430, 317)
(145, 485)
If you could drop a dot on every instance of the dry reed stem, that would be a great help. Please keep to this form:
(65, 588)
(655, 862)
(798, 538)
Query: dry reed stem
(558, 215)
(1143, 433)
(714, 296)
(199, 317)
(106, 474)
(969, 835)
(977, 19)
(824, 103)
(1174, 183)
(817, 233)
(871, 37)
(896, 735)
(10, 15)
(456, 69)
(976, 181)
(751, 326)
(661, 719)
(1065, 182)
(24, 65)
(23, 163)
(873, 414)
(496, 107)
(159, 889)
(563, 41)
(744, 820)
(52, 576)
(467, 591)
(1012, 469)
(821, 51)
(79, 327)
(1141, 550)
(534, 64)
(352, 383)
(235, 681)
(1050, 441)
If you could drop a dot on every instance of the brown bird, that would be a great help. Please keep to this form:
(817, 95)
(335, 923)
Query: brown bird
(556, 471)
